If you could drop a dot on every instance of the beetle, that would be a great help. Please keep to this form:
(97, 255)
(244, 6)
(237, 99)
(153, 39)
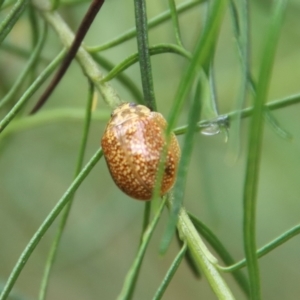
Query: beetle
(132, 144)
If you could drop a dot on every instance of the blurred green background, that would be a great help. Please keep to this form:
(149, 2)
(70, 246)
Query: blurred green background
(102, 234)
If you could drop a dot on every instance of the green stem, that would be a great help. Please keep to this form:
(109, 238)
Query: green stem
(203, 258)
(220, 249)
(55, 244)
(47, 223)
(144, 56)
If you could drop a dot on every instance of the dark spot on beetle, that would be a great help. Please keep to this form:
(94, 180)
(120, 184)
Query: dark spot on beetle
(168, 170)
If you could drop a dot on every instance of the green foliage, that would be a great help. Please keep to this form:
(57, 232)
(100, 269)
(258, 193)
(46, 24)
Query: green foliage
(191, 91)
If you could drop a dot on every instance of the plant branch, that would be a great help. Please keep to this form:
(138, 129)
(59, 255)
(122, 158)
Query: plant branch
(88, 65)
(87, 21)
(203, 258)
(85, 60)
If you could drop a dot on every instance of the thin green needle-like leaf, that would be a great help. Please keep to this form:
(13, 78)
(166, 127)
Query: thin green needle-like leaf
(240, 18)
(175, 21)
(33, 20)
(220, 249)
(172, 270)
(143, 53)
(31, 90)
(9, 22)
(179, 188)
(283, 238)
(47, 223)
(201, 53)
(31, 62)
(151, 24)
(35, 33)
(278, 129)
(132, 59)
(254, 150)
(55, 244)
(131, 277)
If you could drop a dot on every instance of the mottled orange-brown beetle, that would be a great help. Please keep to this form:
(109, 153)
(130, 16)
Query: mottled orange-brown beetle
(132, 145)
